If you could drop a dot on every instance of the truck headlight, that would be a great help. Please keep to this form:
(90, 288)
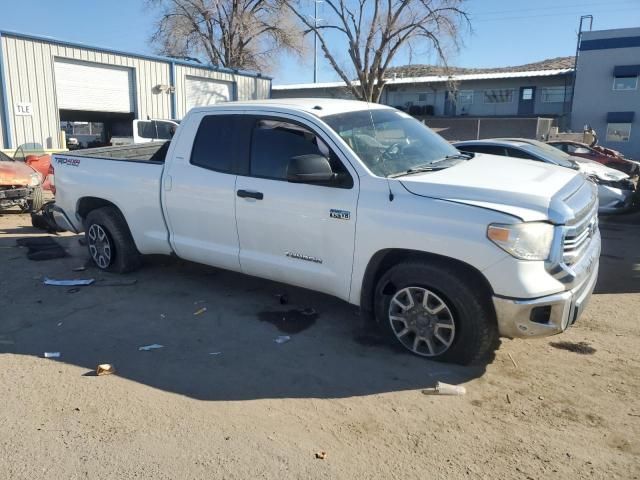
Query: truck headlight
(34, 179)
(526, 241)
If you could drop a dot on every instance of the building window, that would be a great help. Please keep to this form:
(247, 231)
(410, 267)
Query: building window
(625, 83)
(618, 132)
(556, 94)
(527, 94)
(422, 97)
(504, 95)
(465, 97)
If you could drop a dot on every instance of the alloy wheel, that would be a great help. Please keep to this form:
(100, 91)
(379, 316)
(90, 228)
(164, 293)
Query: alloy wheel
(422, 321)
(99, 246)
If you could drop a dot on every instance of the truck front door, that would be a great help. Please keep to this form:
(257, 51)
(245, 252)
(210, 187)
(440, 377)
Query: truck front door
(298, 233)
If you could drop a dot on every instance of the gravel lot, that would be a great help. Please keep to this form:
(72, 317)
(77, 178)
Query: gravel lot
(259, 409)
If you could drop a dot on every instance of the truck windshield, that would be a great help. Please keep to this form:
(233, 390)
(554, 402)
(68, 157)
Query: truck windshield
(390, 142)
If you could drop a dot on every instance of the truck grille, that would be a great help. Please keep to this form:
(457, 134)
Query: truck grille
(578, 236)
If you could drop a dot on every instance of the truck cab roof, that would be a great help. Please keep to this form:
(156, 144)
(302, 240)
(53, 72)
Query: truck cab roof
(320, 107)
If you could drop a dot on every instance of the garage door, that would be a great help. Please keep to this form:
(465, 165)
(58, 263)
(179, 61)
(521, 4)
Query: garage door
(204, 91)
(94, 87)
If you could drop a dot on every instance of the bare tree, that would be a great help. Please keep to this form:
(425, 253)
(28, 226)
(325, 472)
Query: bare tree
(242, 34)
(375, 31)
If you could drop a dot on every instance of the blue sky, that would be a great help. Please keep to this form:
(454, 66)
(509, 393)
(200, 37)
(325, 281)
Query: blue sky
(505, 32)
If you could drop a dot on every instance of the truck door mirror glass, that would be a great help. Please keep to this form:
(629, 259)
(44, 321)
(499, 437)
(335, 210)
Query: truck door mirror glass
(309, 168)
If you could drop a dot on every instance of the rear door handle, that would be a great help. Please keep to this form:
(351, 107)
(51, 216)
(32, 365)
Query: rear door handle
(250, 194)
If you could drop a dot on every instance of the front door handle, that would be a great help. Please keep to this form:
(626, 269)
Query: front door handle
(250, 194)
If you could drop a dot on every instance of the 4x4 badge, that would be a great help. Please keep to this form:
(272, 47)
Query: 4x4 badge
(340, 214)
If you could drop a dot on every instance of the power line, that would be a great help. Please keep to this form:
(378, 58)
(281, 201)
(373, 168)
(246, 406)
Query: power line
(557, 14)
(556, 7)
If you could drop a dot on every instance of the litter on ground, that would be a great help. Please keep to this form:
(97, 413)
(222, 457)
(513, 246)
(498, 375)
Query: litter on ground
(51, 354)
(153, 346)
(69, 283)
(282, 339)
(105, 369)
(445, 389)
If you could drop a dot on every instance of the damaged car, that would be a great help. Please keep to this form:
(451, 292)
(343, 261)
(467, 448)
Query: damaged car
(605, 156)
(616, 190)
(20, 185)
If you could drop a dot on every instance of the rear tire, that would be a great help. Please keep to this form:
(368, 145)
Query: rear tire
(428, 310)
(110, 244)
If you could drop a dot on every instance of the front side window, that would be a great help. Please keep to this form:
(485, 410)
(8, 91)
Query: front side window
(488, 149)
(213, 146)
(165, 130)
(560, 146)
(275, 142)
(618, 132)
(390, 142)
(504, 95)
(625, 83)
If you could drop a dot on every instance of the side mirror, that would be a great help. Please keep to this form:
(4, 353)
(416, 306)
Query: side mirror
(309, 169)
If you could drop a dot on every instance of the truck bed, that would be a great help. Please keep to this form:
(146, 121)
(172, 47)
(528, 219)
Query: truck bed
(143, 152)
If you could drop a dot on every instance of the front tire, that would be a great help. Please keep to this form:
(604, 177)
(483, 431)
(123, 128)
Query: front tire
(109, 241)
(428, 310)
(35, 203)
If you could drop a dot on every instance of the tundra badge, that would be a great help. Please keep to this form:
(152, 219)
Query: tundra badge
(340, 214)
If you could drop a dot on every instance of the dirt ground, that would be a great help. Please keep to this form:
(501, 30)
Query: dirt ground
(547, 408)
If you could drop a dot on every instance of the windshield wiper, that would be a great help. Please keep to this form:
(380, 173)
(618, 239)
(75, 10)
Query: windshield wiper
(463, 155)
(430, 167)
(411, 171)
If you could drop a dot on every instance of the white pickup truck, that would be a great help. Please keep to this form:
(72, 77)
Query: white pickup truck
(446, 250)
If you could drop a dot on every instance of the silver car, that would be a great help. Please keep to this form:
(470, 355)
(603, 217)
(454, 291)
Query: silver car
(615, 189)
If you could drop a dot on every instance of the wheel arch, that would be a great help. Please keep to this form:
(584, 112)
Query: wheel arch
(86, 205)
(384, 259)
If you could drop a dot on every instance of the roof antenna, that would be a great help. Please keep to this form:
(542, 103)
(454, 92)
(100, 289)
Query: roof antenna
(391, 195)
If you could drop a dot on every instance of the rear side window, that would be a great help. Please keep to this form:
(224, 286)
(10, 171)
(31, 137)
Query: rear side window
(513, 152)
(213, 146)
(146, 130)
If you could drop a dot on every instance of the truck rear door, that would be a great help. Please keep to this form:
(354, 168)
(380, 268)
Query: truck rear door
(199, 189)
(297, 233)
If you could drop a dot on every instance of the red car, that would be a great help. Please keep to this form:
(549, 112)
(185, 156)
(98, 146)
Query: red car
(20, 185)
(607, 157)
(33, 155)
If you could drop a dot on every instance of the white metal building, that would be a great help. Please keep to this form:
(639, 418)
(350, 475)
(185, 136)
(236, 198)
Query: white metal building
(46, 82)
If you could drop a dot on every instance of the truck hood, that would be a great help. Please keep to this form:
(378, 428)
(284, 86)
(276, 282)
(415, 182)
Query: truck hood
(591, 167)
(521, 188)
(15, 173)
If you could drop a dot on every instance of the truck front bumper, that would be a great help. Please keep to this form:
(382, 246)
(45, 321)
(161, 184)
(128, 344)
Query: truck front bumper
(10, 197)
(544, 316)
